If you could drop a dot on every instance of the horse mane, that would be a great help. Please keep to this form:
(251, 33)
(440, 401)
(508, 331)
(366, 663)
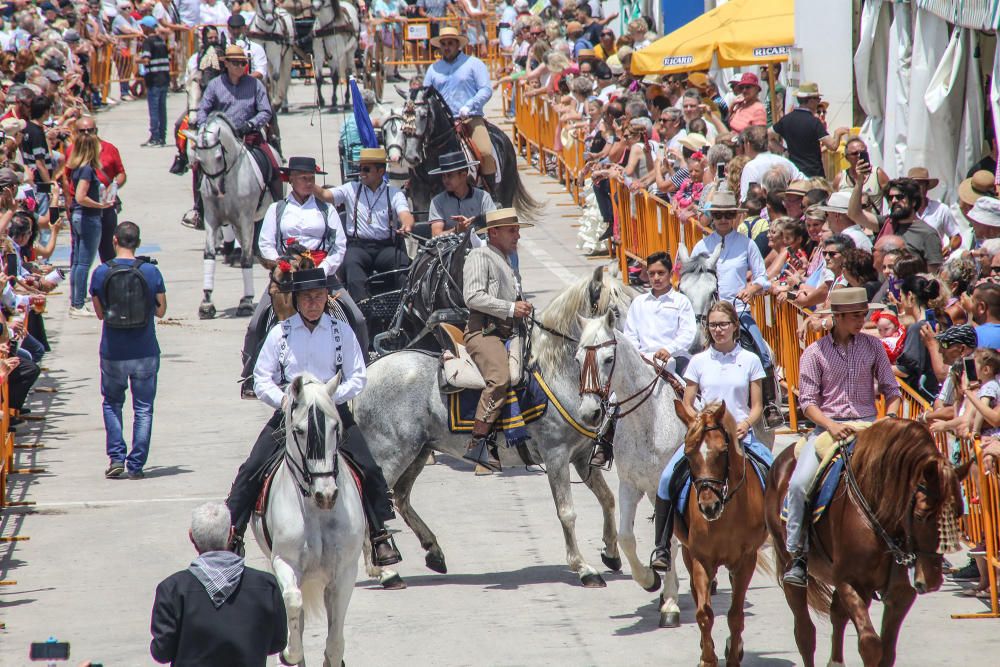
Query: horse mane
(696, 431)
(430, 92)
(890, 460)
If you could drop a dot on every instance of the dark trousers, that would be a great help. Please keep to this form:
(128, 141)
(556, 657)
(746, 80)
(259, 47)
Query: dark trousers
(602, 193)
(109, 220)
(250, 477)
(36, 327)
(156, 101)
(364, 258)
(33, 347)
(20, 381)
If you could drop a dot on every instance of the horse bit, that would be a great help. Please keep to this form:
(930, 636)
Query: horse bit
(720, 487)
(305, 477)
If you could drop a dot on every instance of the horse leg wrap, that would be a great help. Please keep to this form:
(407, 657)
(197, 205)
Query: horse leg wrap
(248, 282)
(209, 274)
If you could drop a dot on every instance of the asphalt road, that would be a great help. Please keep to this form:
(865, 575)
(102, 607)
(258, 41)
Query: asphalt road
(98, 548)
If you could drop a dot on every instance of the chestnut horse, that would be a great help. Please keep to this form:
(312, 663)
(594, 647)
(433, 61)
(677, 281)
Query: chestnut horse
(882, 522)
(720, 474)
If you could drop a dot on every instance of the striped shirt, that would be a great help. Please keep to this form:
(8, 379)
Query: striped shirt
(842, 381)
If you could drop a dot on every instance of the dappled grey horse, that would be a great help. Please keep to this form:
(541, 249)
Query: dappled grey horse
(234, 193)
(404, 417)
(274, 28)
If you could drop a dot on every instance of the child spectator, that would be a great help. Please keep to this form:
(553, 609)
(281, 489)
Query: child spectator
(893, 334)
(984, 392)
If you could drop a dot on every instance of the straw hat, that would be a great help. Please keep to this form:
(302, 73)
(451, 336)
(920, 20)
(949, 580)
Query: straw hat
(722, 200)
(234, 52)
(694, 141)
(797, 188)
(980, 184)
(807, 90)
(503, 217)
(837, 203)
(373, 156)
(921, 174)
(449, 32)
(698, 80)
(847, 300)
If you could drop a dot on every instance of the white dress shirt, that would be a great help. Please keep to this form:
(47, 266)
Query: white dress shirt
(315, 351)
(367, 212)
(739, 255)
(939, 216)
(760, 165)
(258, 57)
(307, 225)
(667, 321)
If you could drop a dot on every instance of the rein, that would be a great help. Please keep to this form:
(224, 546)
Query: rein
(720, 487)
(590, 382)
(304, 477)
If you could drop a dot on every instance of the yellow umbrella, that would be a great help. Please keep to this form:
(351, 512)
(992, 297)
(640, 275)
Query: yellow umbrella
(739, 33)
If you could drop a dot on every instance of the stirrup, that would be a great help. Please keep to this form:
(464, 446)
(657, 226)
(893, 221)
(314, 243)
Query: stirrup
(660, 560)
(602, 455)
(384, 538)
(482, 452)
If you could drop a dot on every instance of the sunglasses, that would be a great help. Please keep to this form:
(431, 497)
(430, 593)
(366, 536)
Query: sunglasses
(536, 33)
(369, 169)
(899, 196)
(995, 269)
(724, 215)
(87, 130)
(830, 253)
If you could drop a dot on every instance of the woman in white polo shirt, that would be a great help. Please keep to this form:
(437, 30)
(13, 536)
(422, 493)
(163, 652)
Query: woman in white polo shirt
(723, 372)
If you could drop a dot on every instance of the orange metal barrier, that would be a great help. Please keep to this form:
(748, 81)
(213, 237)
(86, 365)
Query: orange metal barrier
(406, 42)
(982, 495)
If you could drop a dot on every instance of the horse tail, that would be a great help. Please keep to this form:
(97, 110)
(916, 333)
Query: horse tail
(527, 206)
(819, 596)
(765, 564)
(313, 606)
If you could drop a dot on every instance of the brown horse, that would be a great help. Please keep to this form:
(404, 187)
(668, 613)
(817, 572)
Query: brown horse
(720, 473)
(295, 259)
(872, 532)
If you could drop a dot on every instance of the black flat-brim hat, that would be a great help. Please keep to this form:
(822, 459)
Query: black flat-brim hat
(306, 164)
(307, 279)
(454, 161)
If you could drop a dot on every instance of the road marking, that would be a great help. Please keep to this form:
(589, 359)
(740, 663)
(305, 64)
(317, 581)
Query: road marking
(128, 501)
(547, 261)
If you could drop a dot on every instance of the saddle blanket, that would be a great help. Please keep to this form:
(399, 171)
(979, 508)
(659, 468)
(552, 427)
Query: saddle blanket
(760, 459)
(825, 484)
(521, 407)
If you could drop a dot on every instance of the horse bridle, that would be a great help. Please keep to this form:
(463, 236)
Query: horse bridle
(395, 118)
(590, 382)
(902, 556)
(332, 28)
(720, 487)
(305, 477)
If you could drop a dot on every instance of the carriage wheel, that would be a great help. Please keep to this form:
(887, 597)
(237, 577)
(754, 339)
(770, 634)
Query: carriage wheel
(378, 70)
(369, 69)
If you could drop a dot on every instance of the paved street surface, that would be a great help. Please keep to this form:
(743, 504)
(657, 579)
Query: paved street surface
(99, 547)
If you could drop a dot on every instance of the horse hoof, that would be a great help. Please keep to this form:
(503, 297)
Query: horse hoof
(670, 619)
(244, 309)
(728, 648)
(206, 311)
(436, 563)
(282, 660)
(657, 581)
(593, 580)
(394, 583)
(613, 564)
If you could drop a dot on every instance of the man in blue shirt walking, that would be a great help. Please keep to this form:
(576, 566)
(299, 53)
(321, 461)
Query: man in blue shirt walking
(130, 354)
(464, 83)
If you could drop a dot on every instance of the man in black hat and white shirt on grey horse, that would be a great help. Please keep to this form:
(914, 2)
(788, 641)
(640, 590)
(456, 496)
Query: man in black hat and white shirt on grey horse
(312, 341)
(461, 205)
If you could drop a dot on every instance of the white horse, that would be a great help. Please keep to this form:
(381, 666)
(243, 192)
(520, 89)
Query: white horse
(274, 28)
(646, 436)
(233, 194)
(314, 518)
(404, 417)
(335, 39)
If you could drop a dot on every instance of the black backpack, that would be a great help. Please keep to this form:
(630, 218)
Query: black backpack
(126, 300)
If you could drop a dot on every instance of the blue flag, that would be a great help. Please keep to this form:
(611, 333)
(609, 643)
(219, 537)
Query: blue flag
(361, 118)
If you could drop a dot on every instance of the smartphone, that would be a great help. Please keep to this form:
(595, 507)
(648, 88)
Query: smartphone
(863, 155)
(720, 171)
(10, 266)
(47, 651)
(930, 318)
(970, 370)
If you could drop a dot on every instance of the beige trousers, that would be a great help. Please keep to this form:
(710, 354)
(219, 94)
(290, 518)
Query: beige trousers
(481, 138)
(490, 356)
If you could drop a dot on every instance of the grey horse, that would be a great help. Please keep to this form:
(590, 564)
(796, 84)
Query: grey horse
(233, 194)
(401, 433)
(274, 28)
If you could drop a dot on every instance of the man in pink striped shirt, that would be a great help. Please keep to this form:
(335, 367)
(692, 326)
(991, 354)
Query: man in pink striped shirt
(838, 375)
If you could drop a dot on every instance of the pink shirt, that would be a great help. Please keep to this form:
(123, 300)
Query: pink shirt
(742, 117)
(841, 381)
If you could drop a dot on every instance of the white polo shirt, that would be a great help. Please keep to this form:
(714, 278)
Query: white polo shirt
(726, 377)
(367, 212)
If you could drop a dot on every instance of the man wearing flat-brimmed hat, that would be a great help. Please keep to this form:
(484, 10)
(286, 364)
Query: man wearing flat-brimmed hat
(375, 214)
(934, 213)
(492, 291)
(804, 134)
(464, 83)
(838, 375)
(738, 257)
(460, 205)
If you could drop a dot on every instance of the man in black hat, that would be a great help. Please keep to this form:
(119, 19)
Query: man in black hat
(258, 58)
(461, 204)
(312, 341)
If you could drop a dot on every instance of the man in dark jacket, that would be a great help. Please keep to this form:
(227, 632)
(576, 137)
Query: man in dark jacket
(218, 611)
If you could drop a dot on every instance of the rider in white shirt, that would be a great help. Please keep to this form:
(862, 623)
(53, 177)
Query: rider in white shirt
(312, 341)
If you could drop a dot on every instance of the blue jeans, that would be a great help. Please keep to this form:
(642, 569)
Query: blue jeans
(85, 225)
(746, 319)
(156, 101)
(749, 442)
(116, 376)
(33, 347)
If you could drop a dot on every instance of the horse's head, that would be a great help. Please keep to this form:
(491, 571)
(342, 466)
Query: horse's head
(210, 142)
(267, 11)
(394, 138)
(416, 128)
(711, 434)
(932, 531)
(699, 281)
(595, 355)
(313, 433)
(319, 5)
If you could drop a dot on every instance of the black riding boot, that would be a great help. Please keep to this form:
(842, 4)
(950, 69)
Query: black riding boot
(604, 450)
(769, 396)
(482, 447)
(797, 572)
(277, 188)
(663, 530)
(490, 185)
(384, 551)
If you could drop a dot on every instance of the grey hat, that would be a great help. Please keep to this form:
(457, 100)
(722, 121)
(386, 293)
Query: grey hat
(71, 36)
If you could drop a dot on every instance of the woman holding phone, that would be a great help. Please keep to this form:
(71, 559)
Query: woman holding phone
(921, 297)
(85, 218)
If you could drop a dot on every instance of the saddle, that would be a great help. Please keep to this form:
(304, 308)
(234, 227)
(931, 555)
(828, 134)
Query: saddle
(826, 450)
(472, 151)
(458, 371)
